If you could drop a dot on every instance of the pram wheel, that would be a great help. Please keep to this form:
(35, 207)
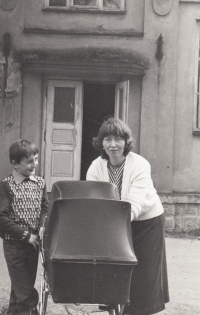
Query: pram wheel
(117, 310)
(120, 309)
(44, 292)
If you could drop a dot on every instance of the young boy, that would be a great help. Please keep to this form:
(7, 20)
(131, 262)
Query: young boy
(23, 206)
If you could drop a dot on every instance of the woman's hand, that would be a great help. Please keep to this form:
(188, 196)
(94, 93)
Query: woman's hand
(132, 215)
(33, 240)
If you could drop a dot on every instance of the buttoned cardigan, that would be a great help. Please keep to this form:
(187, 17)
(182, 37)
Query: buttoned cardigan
(137, 185)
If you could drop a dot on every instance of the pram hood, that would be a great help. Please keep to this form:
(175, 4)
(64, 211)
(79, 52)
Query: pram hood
(89, 230)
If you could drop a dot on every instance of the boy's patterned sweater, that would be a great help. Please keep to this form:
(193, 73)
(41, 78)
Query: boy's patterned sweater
(23, 206)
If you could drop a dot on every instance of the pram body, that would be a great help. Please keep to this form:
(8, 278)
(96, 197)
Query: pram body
(87, 247)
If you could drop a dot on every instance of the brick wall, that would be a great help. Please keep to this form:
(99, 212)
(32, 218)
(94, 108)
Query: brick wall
(182, 212)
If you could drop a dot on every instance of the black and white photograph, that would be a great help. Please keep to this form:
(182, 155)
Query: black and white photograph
(99, 157)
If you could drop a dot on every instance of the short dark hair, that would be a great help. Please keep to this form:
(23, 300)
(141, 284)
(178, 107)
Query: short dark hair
(116, 127)
(22, 148)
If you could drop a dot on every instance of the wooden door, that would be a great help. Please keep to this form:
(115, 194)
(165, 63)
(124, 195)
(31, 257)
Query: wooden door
(122, 100)
(63, 131)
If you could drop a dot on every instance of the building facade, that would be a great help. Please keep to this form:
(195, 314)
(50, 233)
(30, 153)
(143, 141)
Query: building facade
(66, 64)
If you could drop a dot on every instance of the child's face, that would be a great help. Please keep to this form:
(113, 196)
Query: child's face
(27, 166)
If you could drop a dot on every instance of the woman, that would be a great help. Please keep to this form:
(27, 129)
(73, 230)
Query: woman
(132, 175)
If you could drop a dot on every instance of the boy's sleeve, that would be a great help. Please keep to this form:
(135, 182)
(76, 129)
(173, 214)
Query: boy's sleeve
(6, 224)
(44, 205)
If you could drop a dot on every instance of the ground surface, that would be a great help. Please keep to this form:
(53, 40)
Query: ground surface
(183, 257)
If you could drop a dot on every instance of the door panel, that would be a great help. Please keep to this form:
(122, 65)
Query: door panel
(63, 131)
(122, 100)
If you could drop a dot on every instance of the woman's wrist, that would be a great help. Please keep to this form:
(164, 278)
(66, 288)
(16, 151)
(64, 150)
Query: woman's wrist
(25, 237)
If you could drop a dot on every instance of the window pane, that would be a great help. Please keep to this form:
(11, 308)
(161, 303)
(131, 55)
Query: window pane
(112, 4)
(198, 98)
(57, 3)
(85, 2)
(64, 104)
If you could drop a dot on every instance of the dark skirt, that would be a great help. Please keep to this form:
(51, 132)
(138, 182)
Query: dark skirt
(149, 285)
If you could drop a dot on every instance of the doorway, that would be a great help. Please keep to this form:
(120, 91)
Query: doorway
(74, 112)
(98, 102)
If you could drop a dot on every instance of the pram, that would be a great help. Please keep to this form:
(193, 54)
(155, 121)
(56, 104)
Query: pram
(87, 253)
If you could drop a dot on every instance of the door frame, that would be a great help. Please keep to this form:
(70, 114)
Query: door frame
(122, 84)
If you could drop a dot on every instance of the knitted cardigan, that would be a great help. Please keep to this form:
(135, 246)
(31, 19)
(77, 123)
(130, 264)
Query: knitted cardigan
(137, 185)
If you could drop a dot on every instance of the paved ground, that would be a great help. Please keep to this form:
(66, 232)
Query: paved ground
(183, 256)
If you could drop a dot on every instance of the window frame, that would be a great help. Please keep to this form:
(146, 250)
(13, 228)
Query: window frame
(196, 120)
(70, 7)
(122, 104)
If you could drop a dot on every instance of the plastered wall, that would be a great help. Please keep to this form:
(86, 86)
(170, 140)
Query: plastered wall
(163, 108)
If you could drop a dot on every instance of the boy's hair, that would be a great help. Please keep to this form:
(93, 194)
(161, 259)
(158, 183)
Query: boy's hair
(22, 148)
(117, 128)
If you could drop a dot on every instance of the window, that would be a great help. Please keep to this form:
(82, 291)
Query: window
(198, 98)
(64, 100)
(196, 129)
(86, 5)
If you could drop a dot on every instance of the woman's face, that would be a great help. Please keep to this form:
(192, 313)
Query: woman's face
(114, 146)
